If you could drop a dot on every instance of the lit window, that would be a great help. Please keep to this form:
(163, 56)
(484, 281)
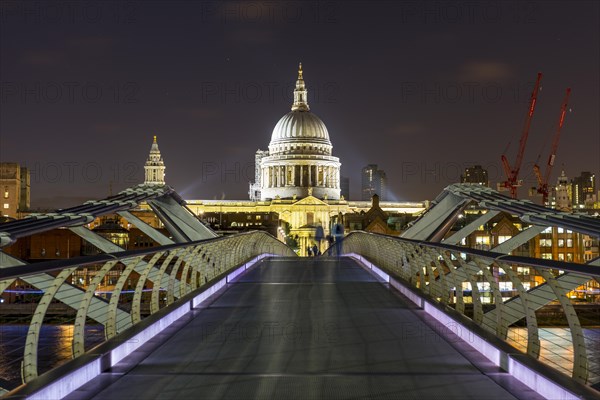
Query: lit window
(6, 192)
(523, 270)
(545, 242)
(570, 257)
(561, 242)
(547, 230)
(569, 242)
(502, 239)
(561, 257)
(483, 286)
(6, 206)
(547, 256)
(482, 240)
(560, 230)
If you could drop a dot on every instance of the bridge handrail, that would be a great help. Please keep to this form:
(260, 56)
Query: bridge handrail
(584, 269)
(12, 272)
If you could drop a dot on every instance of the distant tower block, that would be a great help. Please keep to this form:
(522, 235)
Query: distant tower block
(154, 169)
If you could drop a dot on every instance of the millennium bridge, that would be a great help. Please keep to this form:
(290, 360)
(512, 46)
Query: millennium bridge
(241, 316)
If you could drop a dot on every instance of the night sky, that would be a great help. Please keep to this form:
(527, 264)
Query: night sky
(422, 89)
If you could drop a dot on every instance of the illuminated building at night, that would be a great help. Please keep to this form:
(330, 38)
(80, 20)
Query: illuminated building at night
(584, 190)
(297, 185)
(15, 189)
(154, 169)
(299, 162)
(374, 181)
(476, 175)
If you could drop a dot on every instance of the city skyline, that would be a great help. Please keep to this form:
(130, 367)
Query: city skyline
(418, 92)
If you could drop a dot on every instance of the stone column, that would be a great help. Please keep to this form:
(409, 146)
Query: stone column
(284, 177)
(320, 175)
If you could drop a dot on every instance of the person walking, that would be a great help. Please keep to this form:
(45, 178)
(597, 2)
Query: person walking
(319, 236)
(339, 236)
(315, 250)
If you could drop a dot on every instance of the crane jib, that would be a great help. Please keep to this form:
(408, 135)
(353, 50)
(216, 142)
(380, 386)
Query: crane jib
(532, 108)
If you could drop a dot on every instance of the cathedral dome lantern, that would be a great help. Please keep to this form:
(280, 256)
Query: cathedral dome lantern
(300, 131)
(299, 156)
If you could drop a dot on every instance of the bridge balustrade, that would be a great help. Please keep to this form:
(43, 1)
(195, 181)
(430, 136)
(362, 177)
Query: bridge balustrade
(113, 292)
(473, 284)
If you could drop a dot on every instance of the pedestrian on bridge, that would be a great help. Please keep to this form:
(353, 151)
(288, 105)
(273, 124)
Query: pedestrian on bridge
(338, 233)
(315, 250)
(319, 236)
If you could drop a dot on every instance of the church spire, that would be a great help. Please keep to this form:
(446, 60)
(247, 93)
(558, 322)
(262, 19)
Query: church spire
(300, 93)
(154, 169)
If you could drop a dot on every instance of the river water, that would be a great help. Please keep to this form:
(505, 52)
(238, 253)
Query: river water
(556, 349)
(54, 348)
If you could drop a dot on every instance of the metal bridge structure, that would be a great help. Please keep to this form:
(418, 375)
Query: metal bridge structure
(203, 315)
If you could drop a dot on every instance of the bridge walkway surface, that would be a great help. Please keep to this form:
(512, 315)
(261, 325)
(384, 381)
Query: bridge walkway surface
(306, 329)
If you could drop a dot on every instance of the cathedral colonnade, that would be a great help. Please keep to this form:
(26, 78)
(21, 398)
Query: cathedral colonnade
(301, 175)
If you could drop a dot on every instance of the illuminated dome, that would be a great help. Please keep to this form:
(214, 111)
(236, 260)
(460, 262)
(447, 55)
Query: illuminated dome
(300, 132)
(299, 162)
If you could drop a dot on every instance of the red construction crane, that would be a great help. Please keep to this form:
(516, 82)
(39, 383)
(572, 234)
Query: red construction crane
(543, 181)
(512, 181)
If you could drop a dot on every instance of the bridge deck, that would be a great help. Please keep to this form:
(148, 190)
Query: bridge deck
(306, 329)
